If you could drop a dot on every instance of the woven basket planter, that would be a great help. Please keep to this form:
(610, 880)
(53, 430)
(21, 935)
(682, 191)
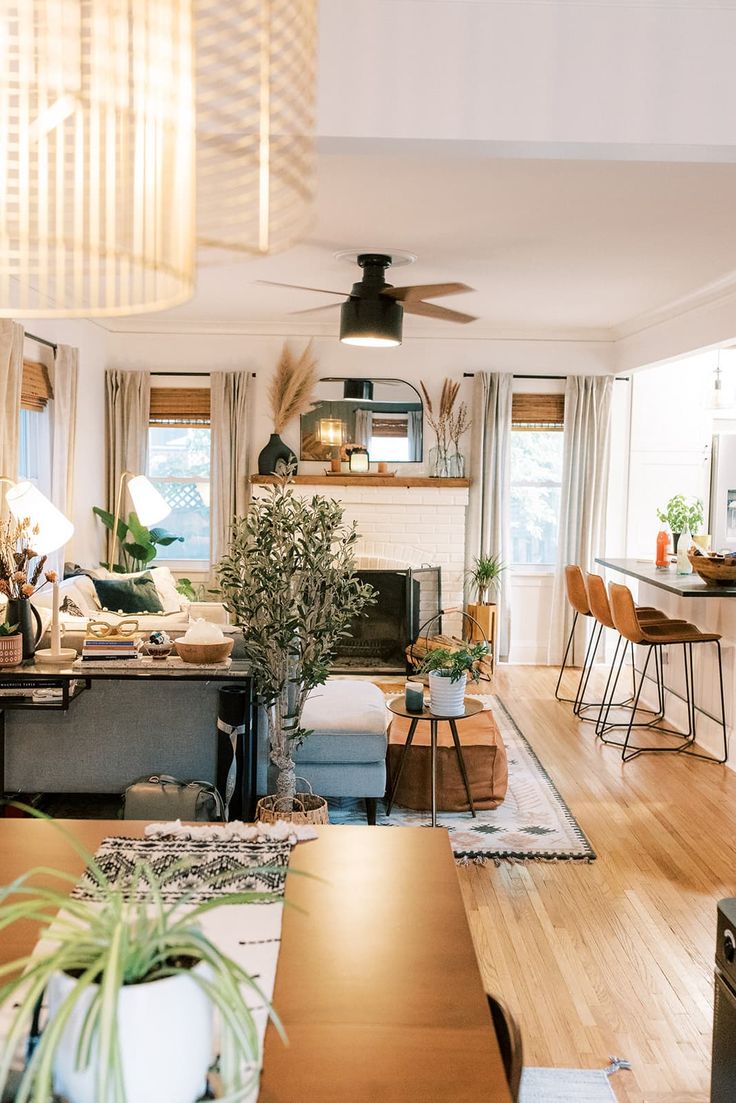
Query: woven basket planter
(11, 650)
(304, 808)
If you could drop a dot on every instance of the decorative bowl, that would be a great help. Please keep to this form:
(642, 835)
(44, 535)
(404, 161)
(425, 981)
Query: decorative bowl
(714, 570)
(203, 653)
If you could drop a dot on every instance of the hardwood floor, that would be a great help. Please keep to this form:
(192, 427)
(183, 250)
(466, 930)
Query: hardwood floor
(614, 957)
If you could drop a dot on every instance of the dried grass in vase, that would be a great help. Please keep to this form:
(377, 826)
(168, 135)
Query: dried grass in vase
(449, 424)
(290, 392)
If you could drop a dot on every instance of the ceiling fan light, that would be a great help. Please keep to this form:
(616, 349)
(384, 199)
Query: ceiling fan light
(371, 323)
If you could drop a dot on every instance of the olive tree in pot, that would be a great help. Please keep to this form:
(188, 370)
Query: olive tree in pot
(449, 672)
(288, 580)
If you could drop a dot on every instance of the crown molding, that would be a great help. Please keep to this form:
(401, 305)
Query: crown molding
(717, 292)
(152, 326)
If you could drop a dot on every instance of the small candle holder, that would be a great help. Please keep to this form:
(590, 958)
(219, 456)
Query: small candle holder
(414, 697)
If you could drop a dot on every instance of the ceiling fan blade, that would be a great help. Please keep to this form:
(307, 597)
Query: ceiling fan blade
(317, 309)
(429, 310)
(425, 291)
(300, 287)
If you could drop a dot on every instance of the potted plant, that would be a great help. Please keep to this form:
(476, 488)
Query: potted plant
(11, 645)
(682, 513)
(289, 395)
(288, 580)
(21, 574)
(448, 675)
(141, 549)
(132, 984)
(484, 578)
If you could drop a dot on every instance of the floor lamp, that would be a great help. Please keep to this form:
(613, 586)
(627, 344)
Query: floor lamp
(149, 505)
(53, 531)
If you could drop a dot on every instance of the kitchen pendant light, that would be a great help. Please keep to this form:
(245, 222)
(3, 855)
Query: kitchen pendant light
(256, 90)
(96, 157)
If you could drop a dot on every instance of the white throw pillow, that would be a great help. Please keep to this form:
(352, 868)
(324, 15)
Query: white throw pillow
(80, 589)
(163, 580)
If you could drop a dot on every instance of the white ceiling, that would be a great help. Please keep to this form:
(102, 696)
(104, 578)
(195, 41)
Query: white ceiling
(550, 246)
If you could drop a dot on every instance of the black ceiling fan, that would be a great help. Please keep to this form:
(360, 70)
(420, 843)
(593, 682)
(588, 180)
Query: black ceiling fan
(373, 312)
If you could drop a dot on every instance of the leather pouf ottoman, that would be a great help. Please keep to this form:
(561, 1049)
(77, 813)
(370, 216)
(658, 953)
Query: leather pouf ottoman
(485, 761)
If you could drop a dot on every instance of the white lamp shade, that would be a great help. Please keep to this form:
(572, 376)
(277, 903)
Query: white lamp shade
(150, 506)
(54, 529)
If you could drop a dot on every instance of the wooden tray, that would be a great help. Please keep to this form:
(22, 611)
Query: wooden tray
(361, 474)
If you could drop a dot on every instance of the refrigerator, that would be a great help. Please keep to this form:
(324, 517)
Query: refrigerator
(722, 514)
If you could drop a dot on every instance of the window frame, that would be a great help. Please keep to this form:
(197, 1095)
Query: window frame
(552, 409)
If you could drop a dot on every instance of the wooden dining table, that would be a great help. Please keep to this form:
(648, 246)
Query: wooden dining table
(377, 985)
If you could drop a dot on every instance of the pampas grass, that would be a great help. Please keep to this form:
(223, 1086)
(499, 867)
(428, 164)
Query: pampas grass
(449, 423)
(290, 392)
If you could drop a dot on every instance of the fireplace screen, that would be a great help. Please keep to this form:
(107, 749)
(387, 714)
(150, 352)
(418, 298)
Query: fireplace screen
(377, 642)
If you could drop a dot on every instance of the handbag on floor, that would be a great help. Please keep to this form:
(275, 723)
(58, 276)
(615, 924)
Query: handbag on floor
(162, 797)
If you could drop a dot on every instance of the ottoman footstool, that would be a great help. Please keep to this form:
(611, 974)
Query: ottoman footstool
(345, 755)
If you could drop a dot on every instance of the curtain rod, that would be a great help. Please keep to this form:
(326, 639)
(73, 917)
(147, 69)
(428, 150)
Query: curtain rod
(196, 374)
(41, 341)
(618, 378)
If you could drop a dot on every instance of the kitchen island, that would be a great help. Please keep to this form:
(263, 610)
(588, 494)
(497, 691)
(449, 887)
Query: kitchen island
(710, 608)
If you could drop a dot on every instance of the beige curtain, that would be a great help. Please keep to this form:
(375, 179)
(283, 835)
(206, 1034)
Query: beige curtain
(230, 491)
(63, 433)
(582, 532)
(11, 375)
(127, 409)
(488, 528)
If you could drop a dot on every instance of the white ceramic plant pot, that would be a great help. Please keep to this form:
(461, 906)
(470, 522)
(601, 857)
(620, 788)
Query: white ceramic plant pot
(165, 1035)
(446, 698)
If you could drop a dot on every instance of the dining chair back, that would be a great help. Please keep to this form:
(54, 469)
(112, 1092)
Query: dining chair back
(509, 1043)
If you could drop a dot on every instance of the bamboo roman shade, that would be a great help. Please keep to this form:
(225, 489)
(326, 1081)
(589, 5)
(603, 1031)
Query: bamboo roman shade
(180, 405)
(35, 388)
(390, 427)
(538, 411)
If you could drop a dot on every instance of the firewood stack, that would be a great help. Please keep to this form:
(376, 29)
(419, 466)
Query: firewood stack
(415, 652)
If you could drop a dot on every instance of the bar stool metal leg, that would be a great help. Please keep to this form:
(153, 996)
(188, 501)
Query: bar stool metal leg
(585, 673)
(564, 660)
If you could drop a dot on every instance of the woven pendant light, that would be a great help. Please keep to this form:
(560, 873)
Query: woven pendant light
(255, 123)
(96, 156)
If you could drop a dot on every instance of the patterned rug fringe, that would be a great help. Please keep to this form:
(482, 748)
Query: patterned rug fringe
(519, 860)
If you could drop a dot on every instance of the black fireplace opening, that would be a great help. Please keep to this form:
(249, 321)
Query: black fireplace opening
(377, 640)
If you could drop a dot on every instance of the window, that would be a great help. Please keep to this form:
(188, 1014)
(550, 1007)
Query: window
(34, 451)
(390, 438)
(179, 468)
(536, 478)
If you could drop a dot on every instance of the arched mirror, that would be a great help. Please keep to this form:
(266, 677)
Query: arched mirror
(383, 415)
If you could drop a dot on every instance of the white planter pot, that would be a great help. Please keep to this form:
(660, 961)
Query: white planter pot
(446, 698)
(165, 1037)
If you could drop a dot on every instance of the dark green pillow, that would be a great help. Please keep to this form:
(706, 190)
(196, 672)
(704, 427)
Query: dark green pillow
(129, 595)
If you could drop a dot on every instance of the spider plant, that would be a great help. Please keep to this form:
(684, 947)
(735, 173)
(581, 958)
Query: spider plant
(485, 575)
(121, 936)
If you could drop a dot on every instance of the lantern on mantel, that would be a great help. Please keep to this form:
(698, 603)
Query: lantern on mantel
(96, 157)
(359, 460)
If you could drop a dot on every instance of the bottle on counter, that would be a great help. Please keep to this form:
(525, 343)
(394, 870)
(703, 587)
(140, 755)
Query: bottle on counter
(684, 566)
(663, 543)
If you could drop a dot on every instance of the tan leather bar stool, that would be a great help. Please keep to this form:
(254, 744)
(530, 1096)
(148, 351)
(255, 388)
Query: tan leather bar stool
(577, 596)
(601, 609)
(654, 636)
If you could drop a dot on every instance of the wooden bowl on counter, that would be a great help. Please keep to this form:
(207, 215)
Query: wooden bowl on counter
(203, 653)
(714, 570)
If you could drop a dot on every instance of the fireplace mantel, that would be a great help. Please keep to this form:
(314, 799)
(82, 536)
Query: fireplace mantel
(362, 480)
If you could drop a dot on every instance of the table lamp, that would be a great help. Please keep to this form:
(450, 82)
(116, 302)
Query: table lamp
(148, 504)
(54, 530)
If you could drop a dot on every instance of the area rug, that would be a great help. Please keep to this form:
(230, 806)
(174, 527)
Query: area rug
(532, 824)
(565, 1086)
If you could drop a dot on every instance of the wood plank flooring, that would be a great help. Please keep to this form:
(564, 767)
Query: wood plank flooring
(614, 957)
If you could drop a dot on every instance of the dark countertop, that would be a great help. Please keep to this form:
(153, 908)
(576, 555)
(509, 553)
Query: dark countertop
(684, 585)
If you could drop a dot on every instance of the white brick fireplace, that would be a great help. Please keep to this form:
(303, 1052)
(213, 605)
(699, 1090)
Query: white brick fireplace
(405, 526)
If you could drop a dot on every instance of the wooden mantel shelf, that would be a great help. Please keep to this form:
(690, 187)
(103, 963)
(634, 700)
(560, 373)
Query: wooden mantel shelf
(362, 480)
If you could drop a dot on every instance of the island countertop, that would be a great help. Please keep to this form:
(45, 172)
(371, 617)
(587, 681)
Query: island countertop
(684, 585)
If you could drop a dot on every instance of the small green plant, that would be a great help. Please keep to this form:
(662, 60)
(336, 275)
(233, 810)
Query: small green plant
(453, 664)
(197, 591)
(485, 575)
(122, 936)
(8, 629)
(138, 551)
(682, 513)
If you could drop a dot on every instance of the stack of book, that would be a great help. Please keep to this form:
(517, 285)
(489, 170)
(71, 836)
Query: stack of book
(110, 647)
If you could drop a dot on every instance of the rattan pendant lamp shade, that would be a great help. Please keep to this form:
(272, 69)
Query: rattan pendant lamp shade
(96, 156)
(255, 123)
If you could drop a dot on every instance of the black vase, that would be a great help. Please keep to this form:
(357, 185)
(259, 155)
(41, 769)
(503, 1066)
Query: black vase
(675, 539)
(20, 611)
(275, 457)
